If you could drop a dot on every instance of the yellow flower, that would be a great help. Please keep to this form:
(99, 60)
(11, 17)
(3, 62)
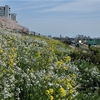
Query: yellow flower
(51, 90)
(48, 92)
(11, 62)
(71, 91)
(65, 68)
(59, 62)
(62, 92)
(73, 82)
(51, 97)
(22, 38)
(15, 55)
(73, 76)
(31, 70)
(1, 51)
(38, 54)
(13, 49)
(70, 97)
(47, 77)
(51, 49)
(68, 80)
(69, 85)
(68, 58)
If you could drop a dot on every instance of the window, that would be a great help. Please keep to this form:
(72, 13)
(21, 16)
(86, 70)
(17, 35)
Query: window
(1, 8)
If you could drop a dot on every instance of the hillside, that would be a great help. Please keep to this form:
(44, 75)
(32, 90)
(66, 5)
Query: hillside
(40, 68)
(12, 26)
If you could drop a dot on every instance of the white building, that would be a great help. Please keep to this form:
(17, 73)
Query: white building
(5, 12)
(13, 16)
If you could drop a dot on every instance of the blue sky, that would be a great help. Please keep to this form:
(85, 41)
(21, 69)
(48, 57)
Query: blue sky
(58, 17)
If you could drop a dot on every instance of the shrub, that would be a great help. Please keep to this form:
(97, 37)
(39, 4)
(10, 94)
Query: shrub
(92, 56)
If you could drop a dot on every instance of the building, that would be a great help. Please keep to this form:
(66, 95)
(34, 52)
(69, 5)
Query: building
(50, 36)
(5, 11)
(94, 41)
(13, 16)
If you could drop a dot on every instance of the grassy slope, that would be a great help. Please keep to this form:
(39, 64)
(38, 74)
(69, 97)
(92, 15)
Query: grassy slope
(38, 54)
(32, 66)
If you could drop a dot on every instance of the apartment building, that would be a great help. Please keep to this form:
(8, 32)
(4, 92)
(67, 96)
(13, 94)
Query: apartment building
(5, 11)
(13, 16)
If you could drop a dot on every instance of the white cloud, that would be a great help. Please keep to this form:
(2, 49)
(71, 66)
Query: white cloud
(33, 5)
(76, 6)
